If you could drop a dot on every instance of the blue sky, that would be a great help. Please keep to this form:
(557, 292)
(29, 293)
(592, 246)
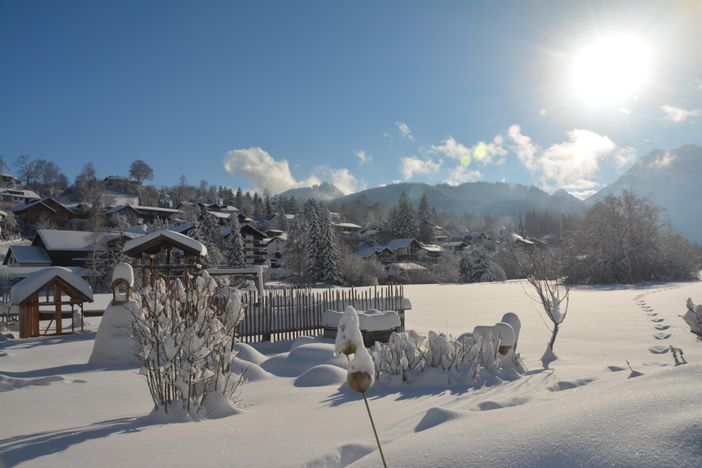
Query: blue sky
(230, 91)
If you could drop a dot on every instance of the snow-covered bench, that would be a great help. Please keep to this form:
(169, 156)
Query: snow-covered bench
(375, 325)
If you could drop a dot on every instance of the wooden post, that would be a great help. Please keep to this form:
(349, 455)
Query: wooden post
(58, 308)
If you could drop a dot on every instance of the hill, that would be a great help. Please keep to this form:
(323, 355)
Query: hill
(671, 180)
(325, 192)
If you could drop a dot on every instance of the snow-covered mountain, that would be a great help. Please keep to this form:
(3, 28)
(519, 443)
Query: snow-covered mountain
(477, 198)
(670, 179)
(323, 192)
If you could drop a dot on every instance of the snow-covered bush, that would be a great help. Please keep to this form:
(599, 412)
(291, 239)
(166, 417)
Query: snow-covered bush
(693, 317)
(185, 340)
(470, 359)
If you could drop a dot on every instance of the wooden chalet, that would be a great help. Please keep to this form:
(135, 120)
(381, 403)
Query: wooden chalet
(165, 253)
(255, 248)
(47, 210)
(137, 214)
(50, 294)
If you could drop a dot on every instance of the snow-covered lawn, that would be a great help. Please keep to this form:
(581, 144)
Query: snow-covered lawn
(55, 410)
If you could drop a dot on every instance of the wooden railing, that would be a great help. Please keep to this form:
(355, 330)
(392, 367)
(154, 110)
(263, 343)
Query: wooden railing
(285, 314)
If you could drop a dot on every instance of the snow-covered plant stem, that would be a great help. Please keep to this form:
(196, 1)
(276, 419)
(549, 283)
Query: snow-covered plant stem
(361, 373)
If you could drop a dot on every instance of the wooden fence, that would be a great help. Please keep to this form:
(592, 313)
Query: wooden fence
(286, 314)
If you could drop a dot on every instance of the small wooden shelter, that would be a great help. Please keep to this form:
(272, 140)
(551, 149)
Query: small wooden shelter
(165, 254)
(58, 287)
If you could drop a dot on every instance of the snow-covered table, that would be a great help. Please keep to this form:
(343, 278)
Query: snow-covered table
(375, 325)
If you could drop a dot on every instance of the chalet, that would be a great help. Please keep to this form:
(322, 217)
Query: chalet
(348, 231)
(430, 252)
(46, 211)
(405, 249)
(454, 246)
(275, 246)
(137, 214)
(66, 248)
(9, 181)
(18, 196)
(382, 254)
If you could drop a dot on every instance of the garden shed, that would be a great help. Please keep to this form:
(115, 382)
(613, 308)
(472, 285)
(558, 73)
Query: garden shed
(50, 294)
(165, 253)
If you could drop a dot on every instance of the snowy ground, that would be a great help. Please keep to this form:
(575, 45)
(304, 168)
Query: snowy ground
(584, 411)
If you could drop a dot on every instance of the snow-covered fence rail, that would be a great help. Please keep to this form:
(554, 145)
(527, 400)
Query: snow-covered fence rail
(289, 313)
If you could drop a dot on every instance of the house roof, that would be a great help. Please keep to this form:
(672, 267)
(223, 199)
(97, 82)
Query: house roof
(149, 242)
(368, 251)
(27, 254)
(431, 247)
(19, 193)
(406, 266)
(37, 280)
(142, 209)
(400, 243)
(54, 239)
(15, 272)
(348, 225)
(255, 232)
(46, 202)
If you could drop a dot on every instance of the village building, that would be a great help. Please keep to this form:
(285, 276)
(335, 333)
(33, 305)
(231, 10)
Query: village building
(255, 248)
(16, 195)
(137, 214)
(47, 211)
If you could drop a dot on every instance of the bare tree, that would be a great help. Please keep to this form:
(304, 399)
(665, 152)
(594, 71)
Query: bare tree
(140, 171)
(27, 169)
(542, 266)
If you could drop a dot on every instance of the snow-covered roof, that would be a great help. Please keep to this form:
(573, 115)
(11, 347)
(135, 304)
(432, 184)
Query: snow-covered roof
(28, 254)
(368, 251)
(14, 272)
(54, 239)
(37, 280)
(46, 202)
(185, 243)
(406, 266)
(348, 225)
(400, 243)
(141, 209)
(219, 214)
(432, 247)
(19, 193)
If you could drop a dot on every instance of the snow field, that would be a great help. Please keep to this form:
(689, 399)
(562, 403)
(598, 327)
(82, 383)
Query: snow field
(587, 409)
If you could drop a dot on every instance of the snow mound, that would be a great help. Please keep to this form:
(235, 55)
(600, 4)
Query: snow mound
(114, 345)
(368, 320)
(249, 353)
(303, 340)
(123, 271)
(649, 421)
(303, 358)
(320, 376)
(252, 371)
(345, 455)
(8, 384)
(435, 416)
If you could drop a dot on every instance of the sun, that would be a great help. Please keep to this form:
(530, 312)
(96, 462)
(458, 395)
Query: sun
(611, 70)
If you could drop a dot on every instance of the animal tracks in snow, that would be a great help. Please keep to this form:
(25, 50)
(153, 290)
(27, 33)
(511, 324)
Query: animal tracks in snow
(661, 336)
(659, 349)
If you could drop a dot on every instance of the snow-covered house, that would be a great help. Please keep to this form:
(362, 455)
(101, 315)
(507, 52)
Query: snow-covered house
(380, 253)
(46, 211)
(348, 231)
(66, 248)
(255, 249)
(405, 249)
(16, 195)
(429, 252)
(9, 181)
(137, 214)
(275, 246)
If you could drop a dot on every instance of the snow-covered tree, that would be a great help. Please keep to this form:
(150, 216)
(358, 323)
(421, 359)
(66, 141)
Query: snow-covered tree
(404, 218)
(313, 269)
(425, 220)
(327, 251)
(235, 244)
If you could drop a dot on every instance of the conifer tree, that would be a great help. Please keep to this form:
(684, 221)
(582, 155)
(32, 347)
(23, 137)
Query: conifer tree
(425, 221)
(312, 270)
(328, 254)
(235, 244)
(404, 221)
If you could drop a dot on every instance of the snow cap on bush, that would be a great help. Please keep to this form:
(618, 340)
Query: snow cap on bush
(348, 334)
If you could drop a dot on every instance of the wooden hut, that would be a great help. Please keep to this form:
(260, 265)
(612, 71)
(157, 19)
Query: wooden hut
(165, 253)
(43, 295)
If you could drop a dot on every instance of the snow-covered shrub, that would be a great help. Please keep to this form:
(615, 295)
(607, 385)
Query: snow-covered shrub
(185, 340)
(693, 317)
(470, 359)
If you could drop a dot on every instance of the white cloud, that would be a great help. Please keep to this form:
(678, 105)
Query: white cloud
(342, 179)
(262, 170)
(461, 174)
(405, 131)
(678, 114)
(265, 172)
(484, 153)
(663, 160)
(412, 165)
(570, 165)
(363, 157)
